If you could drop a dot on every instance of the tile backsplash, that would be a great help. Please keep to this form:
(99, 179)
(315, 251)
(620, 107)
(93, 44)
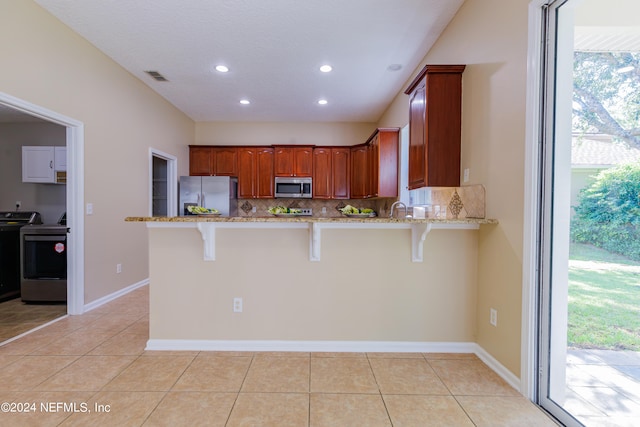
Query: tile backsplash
(454, 202)
(245, 206)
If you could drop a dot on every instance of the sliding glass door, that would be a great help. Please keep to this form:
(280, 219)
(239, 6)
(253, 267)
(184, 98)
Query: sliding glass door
(589, 217)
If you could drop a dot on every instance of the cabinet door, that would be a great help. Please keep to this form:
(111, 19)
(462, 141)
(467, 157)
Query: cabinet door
(360, 168)
(374, 165)
(247, 162)
(283, 161)
(417, 139)
(386, 160)
(303, 161)
(264, 173)
(200, 161)
(340, 162)
(322, 173)
(60, 158)
(38, 164)
(225, 161)
(443, 129)
(435, 111)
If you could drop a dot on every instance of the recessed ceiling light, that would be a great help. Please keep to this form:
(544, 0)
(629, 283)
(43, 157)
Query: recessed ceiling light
(326, 68)
(394, 67)
(323, 102)
(222, 68)
(245, 102)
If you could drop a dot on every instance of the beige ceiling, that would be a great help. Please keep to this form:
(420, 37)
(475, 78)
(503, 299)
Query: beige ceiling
(274, 49)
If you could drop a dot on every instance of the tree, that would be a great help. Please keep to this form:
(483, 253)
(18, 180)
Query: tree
(608, 211)
(606, 94)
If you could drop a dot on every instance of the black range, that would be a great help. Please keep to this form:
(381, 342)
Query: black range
(10, 225)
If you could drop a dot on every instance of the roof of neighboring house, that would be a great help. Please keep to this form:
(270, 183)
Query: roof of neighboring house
(600, 151)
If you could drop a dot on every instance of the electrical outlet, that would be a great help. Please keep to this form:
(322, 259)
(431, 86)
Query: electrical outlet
(237, 305)
(324, 210)
(493, 318)
(89, 208)
(118, 268)
(466, 175)
(254, 209)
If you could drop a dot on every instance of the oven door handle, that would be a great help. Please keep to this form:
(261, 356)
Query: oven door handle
(48, 238)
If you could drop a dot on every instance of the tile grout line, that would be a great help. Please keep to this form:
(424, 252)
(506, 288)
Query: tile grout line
(384, 403)
(309, 394)
(166, 393)
(449, 390)
(235, 401)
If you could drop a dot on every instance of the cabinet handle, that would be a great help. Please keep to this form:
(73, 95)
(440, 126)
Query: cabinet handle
(50, 164)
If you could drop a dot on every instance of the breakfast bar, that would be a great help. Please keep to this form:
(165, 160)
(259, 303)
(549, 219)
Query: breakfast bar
(207, 226)
(260, 283)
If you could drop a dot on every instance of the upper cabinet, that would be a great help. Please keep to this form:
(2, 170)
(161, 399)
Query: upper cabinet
(255, 172)
(293, 161)
(343, 172)
(384, 146)
(435, 112)
(360, 171)
(206, 160)
(374, 165)
(44, 164)
(331, 172)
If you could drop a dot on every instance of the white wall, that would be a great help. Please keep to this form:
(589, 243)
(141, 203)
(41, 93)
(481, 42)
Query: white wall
(490, 37)
(48, 199)
(46, 64)
(278, 133)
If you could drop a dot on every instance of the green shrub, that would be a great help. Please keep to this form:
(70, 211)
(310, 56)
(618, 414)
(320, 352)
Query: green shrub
(608, 212)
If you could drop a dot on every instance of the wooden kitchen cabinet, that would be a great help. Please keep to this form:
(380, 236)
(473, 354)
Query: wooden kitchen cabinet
(225, 161)
(435, 112)
(360, 171)
(207, 161)
(200, 161)
(331, 167)
(255, 172)
(293, 161)
(374, 165)
(384, 162)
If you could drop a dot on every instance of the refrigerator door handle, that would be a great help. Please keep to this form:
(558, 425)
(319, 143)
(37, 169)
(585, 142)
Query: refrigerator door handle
(203, 202)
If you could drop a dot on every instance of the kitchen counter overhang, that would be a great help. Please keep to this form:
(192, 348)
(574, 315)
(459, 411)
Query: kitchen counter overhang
(207, 226)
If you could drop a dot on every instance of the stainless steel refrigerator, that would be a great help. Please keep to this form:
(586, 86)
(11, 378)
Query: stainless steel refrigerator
(217, 192)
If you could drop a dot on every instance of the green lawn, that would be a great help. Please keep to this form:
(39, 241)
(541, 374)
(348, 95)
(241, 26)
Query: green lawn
(604, 300)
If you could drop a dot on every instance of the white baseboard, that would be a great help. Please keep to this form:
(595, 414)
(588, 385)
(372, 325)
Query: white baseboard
(497, 367)
(115, 295)
(316, 346)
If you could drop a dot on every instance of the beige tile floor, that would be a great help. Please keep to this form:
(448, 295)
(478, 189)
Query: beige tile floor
(17, 317)
(93, 370)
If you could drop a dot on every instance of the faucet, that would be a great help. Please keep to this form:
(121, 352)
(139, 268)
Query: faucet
(398, 203)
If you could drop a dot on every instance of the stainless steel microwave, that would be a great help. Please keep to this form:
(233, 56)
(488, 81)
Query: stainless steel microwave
(293, 187)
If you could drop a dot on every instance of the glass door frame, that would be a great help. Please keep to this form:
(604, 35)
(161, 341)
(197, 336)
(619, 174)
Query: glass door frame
(541, 345)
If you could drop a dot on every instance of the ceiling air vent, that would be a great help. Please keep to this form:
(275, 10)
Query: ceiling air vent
(157, 76)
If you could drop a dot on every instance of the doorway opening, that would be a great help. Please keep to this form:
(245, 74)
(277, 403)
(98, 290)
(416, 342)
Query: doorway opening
(74, 193)
(163, 199)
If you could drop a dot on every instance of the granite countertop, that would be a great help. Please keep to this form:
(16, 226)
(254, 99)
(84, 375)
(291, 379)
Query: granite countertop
(298, 219)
